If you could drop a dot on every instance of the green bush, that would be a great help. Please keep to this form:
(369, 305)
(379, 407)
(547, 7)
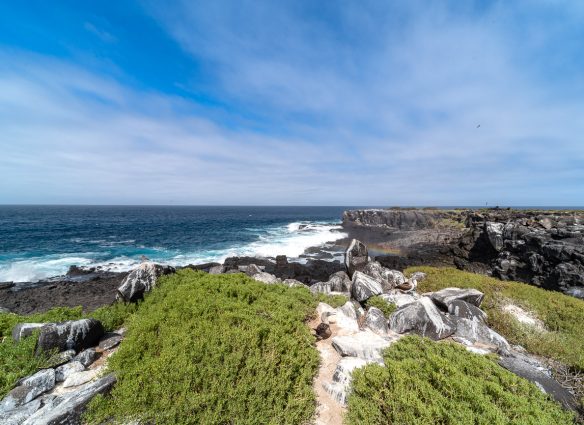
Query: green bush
(424, 382)
(215, 349)
(17, 360)
(332, 300)
(562, 315)
(386, 307)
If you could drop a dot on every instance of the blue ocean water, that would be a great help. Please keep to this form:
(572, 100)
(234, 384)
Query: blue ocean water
(37, 242)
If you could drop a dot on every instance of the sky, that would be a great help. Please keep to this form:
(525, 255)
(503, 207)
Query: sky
(303, 102)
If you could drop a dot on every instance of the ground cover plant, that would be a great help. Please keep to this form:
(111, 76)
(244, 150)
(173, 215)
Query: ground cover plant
(215, 349)
(562, 315)
(385, 307)
(424, 382)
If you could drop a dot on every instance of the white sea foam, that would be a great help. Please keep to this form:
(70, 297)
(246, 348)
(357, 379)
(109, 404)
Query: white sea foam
(290, 240)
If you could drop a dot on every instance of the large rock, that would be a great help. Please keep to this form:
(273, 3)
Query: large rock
(364, 287)
(389, 279)
(66, 370)
(339, 388)
(23, 330)
(87, 357)
(476, 331)
(530, 369)
(110, 340)
(141, 280)
(446, 296)
(340, 282)
(347, 317)
(321, 287)
(265, 278)
(74, 335)
(67, 408)
(356, 257)
(20, 414)
(465, 310)
(495, 234)
(376, 322)
(399, 298)
(252, 270)
(79, 378)
(423, 318)
(28, 389)
(365, 345)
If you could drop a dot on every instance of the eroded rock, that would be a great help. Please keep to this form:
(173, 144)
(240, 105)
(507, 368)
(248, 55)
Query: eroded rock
(376, 322)
(69, 335)
(423, 318)
(445, 296)
(141, 280)
(356, 257)
(364, 287)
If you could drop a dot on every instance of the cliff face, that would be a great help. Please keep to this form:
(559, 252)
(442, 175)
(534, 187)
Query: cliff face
(543, 248)
(403, 219)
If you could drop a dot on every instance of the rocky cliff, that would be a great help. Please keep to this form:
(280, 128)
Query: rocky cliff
(543, 248)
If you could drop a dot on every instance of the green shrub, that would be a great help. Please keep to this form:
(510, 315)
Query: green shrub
(386, 307)
(424, 382)
(113, 316)
(332, 300)
(215, 349)
(562, 315)
(17, 360)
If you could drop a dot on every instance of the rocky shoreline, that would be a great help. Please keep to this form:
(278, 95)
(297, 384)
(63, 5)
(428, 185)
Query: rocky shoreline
(543, 248)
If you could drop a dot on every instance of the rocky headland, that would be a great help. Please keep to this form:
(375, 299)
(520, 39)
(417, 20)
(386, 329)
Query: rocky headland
(542, 248)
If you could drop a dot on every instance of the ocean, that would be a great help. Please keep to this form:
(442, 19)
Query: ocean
(39, 242)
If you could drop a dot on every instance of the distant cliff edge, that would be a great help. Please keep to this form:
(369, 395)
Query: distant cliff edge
(543, 248)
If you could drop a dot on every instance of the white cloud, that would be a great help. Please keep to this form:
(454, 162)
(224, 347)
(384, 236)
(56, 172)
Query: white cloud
(375, 109)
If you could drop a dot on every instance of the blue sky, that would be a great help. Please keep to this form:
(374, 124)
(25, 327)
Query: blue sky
(292, 102)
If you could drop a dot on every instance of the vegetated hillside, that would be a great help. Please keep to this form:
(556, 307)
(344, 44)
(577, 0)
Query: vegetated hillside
(562, 315)
(211, 349)
(425, 382)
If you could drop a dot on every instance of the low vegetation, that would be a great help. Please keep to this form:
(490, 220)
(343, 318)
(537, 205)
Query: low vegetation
(332, 300)
(215, 349)
(562, 315)
(424, 382)
(380, 303)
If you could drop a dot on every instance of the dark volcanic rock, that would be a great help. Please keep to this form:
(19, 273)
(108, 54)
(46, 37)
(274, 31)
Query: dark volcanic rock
(311, 272)
(93, 293)
(543, 248)
(74, 335)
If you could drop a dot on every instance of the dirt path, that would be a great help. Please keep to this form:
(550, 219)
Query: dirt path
(328, 410)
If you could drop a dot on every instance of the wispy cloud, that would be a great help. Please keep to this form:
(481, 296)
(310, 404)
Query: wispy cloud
(351, 103)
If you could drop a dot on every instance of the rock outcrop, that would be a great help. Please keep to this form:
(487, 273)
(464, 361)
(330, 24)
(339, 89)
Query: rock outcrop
(76, 335)
(543, 248)
(142, 280)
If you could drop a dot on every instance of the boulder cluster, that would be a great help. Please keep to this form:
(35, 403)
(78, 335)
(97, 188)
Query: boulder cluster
(72, 377)
(359, 333)
(545, 250)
